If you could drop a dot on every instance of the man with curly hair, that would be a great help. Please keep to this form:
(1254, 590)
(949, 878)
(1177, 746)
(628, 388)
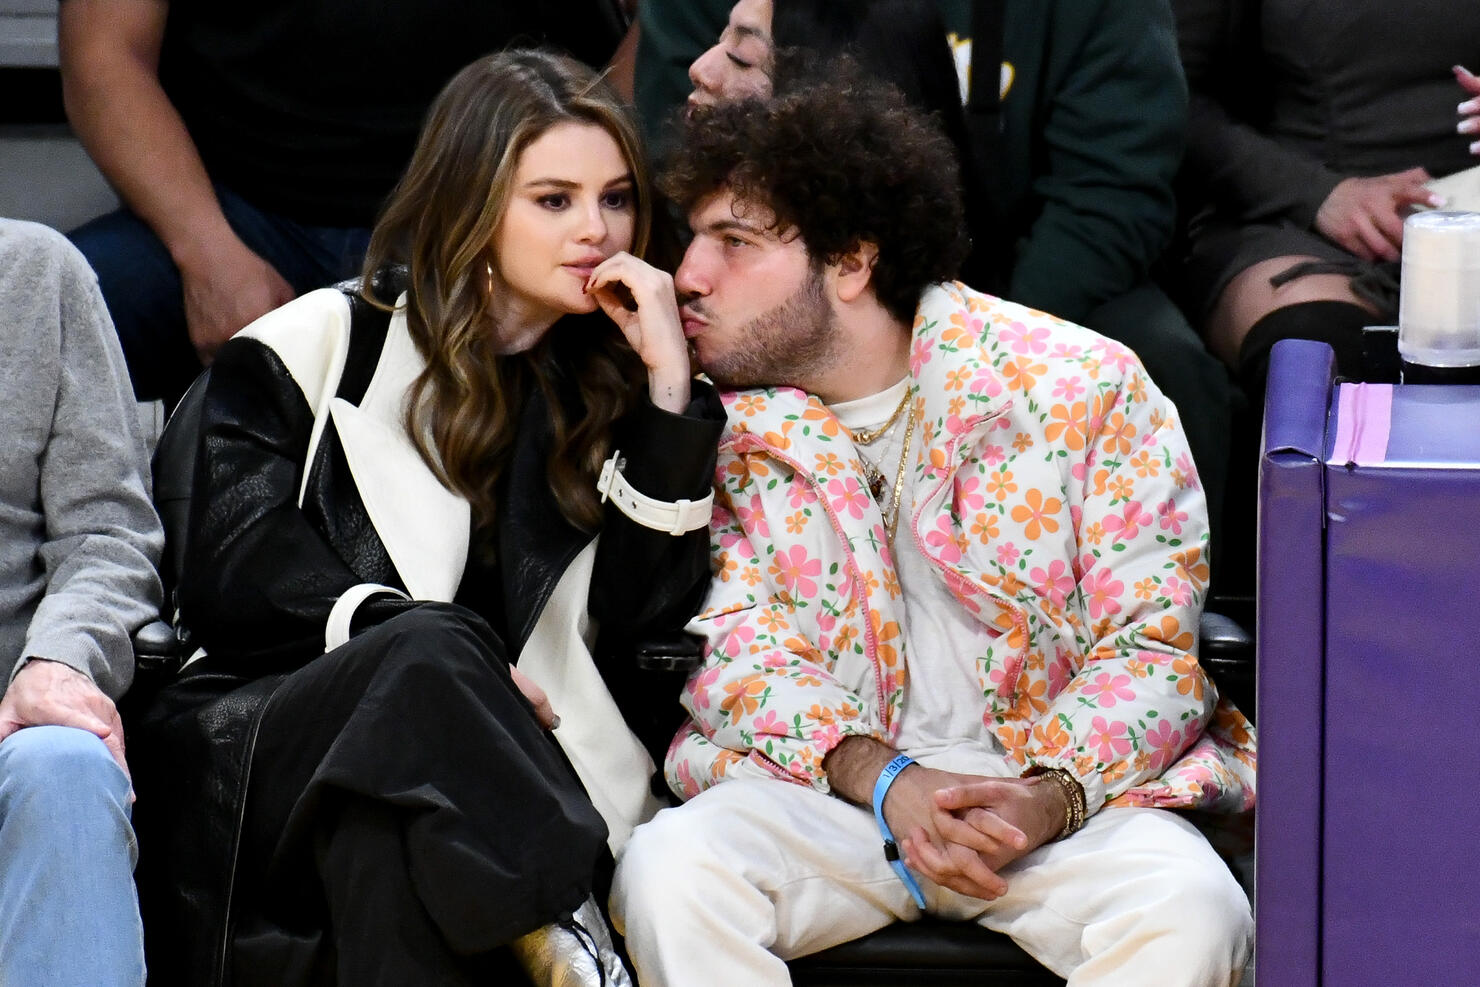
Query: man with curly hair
(959, 553)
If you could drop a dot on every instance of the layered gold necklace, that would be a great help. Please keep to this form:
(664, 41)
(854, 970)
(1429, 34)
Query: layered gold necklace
(875, 476)
(868, 436)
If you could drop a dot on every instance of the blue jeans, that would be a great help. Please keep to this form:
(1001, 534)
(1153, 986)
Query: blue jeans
(69, 915)
(146, 300)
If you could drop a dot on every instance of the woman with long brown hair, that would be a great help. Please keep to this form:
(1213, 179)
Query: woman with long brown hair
(394, 537)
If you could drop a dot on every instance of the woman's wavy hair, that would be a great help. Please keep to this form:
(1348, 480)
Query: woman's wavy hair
(439, 224)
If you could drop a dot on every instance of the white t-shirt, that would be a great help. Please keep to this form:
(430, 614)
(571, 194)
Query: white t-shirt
(943, 701)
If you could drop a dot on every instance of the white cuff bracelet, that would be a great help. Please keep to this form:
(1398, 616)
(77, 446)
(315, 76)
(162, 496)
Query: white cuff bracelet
(676, 517)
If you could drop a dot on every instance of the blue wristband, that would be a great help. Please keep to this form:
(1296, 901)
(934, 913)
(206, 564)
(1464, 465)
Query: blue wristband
(891, 849)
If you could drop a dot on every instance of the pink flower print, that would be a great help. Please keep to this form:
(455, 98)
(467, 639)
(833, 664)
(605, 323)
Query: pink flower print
(1068, 388)
(968, 498)
(992, 455)
(1064, 351)
(1055, 582)
(1109, 738)
(796, 572)
(799, 493)
(827, 736)
(776, 659)
(1184, 464)
(1107, 689)
(687, 786)
(737, 639)
(943, 540)
(1129, 523)
(1101, 591)
(1025, 339)
(772, 724)
(1177, 591)
(1165, 741)
(848, 496)
(1119, 357)
(753, 518)
(920, 353)
(1171, 518)
(1060, 672)
(1007, 553)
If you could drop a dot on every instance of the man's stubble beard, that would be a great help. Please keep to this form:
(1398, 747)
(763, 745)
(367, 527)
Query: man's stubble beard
(790, 345)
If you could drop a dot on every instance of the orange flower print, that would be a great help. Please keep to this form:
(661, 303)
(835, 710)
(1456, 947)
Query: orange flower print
(796, 523)
(1095, 533)
(831, 427)
(957, 406)
(1145, 588)
(1145, 464)
(1067, 425)
(1117, 433)
(725, 567)
(828, 464)
(1022, 442)
(1022, 374)
(1169, 631)
(1192, 567)
(984, 527)
(750, 405)
(1037, 512)
(750, 576)
(1121, 488)
(770, 621)
(1051, 736)
(1012, 737)
(744, 697)
(1189, 676)
(956, 380)
(1000, 484)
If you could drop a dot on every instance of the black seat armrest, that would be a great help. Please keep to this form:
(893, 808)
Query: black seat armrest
(680, 652)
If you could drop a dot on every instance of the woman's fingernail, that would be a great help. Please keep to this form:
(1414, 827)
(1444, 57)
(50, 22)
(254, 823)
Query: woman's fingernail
(1438, 201)
(1475, 147)
(1469, 106)
(554, 722)
(1468, 125)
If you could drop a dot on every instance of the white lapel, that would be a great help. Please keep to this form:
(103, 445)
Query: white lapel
(423, 525)
(609, 759)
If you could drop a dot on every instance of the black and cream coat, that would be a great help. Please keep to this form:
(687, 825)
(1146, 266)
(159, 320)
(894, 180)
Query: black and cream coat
(314, 519)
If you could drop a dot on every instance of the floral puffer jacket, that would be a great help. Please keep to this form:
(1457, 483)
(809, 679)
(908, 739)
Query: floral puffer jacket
(1054, 494)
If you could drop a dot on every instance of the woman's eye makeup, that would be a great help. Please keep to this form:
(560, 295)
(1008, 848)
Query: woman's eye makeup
(617, 198)
(554, 200)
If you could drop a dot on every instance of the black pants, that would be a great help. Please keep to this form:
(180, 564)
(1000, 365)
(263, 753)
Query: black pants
(404, 815)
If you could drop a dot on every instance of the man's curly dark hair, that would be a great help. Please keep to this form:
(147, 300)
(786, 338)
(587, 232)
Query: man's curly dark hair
(842, 160)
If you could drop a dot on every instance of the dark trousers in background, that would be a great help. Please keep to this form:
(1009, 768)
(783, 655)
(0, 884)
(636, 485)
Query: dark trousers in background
(142, 286)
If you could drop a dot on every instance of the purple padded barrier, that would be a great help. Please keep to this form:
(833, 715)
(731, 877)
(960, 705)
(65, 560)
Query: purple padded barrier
(1288, 641)
(1401, 766)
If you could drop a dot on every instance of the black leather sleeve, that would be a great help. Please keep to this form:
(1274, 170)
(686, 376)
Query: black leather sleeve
(648, 581)
(258, 579)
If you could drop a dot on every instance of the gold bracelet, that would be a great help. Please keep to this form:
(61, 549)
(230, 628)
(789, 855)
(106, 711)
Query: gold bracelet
(1077, 806)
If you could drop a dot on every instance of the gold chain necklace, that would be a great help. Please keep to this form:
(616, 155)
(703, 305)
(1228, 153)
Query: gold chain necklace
(904, 458)
(866, 436)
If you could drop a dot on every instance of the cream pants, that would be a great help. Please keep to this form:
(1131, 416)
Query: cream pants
(722, 890)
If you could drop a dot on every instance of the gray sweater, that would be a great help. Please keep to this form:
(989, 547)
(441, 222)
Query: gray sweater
(79, 539)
